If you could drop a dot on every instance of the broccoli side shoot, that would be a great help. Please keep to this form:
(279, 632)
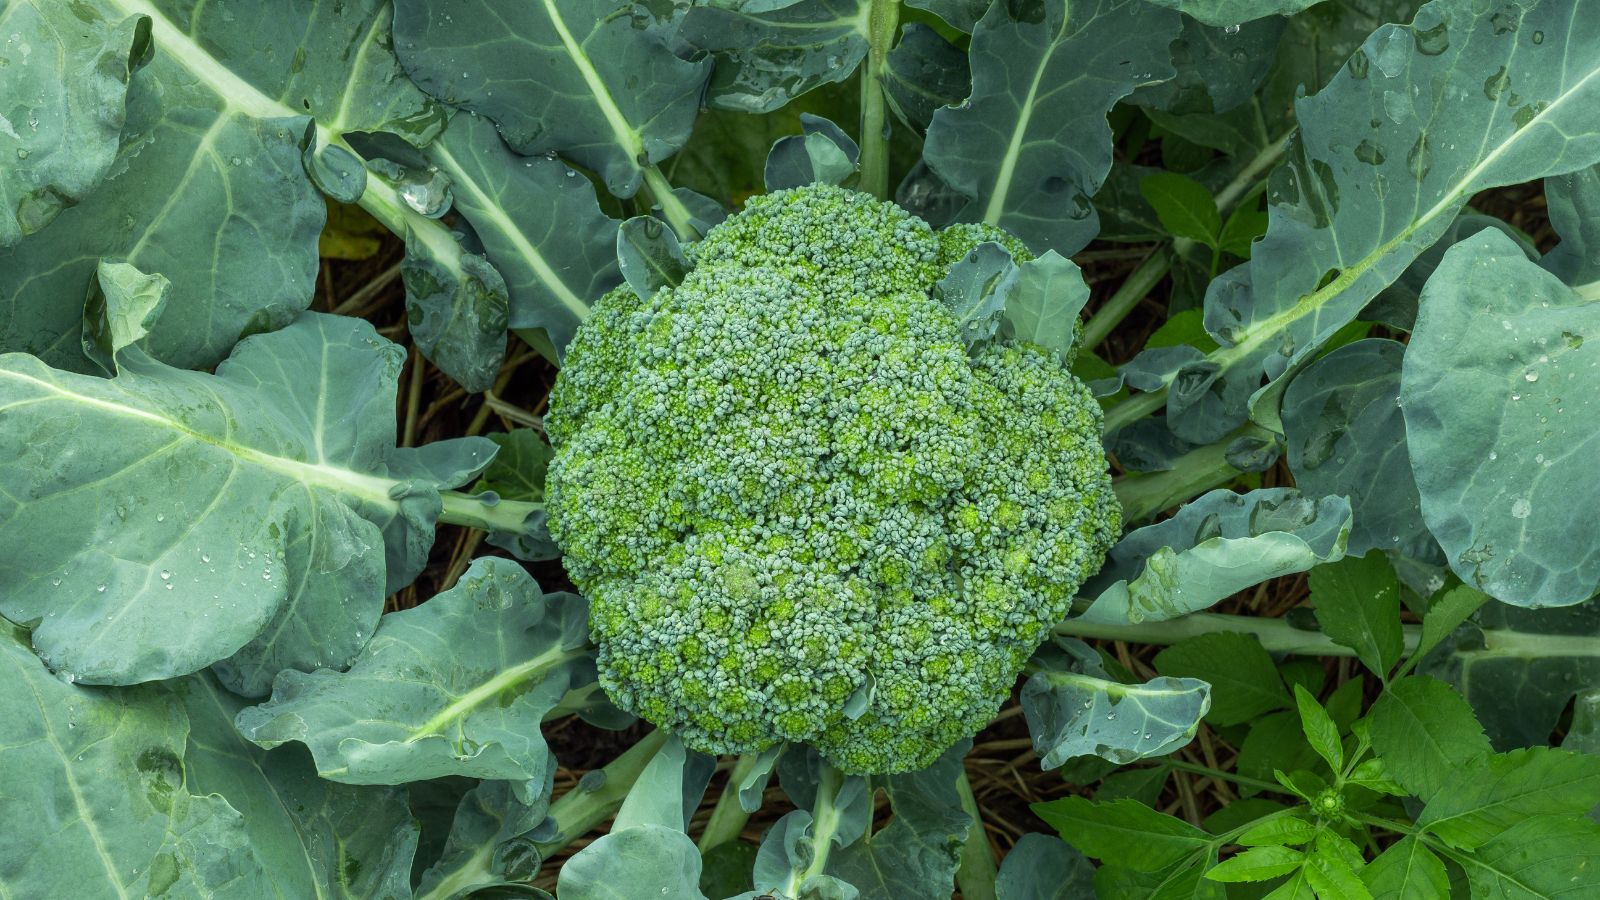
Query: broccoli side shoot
(800, 509)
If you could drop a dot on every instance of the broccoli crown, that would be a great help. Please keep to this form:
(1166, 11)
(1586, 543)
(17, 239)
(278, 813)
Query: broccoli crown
(801, 509)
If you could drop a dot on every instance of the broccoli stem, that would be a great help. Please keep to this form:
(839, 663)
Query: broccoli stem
(677, 215)
(824, 824)
(581, 809)
(1126, 298)
(728, 816)
(1276, 635)
(883, 20)
(473, 511)
(977, 873)
(1191, 475)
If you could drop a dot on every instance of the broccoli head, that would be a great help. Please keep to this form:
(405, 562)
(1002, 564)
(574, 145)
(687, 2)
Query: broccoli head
(801, 508)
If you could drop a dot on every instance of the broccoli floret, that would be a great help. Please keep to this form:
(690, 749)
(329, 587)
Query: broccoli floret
(801, 509)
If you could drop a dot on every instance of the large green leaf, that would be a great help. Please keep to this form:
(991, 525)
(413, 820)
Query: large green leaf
(96, 803)
(1040, 867)
(1230, 13)
(314, 838)
(769, 53)
(1498, 388)
(1075, 709)
(62, 105)
(1031, 145)
(539, 223)
(1424, 731)
(1482, 799)
(456, 686)
(1468, 97)
(1549, 856)
(1221, 543)
(1520, 668)
(595, 80)
(257, 515)
(1218, 68)
(1574, 204)
(1347, 435)
(209, 189)
(917, 853)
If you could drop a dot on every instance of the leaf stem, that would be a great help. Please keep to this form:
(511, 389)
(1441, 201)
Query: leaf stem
(677, 215)
(1276, 635)
(977, 873)
(1121, 303)
(824, 823)
(473, 511)
(728, 816)
(579, 810)
(1191, 475)
(1207, 771)
(883, 19)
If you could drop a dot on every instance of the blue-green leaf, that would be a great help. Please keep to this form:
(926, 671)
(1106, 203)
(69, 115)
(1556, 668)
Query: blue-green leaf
(63, 103)
(772, 52)
(1217, 545)
(96, 803)
(456, 686)
(649, 256)
(1040, 867)
(209, 188)
(1031, 145)
(1074, 709)
(594, 80)
(1346, 434)
(975, 290)
(267, 501)
(540, 226)
(823, 153)
(923, 73)
(1421, 118)
(1044, 304)
(1230, 13)
(1498, 387)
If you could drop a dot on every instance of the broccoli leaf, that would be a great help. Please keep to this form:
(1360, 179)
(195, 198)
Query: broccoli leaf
(73, 84)
(596, 82)
(539, 222)
(111, 763)
(258, 515)
(1496, 387)
(1074, 709)
(1221, 543)
(1027, 159)
(456, 686)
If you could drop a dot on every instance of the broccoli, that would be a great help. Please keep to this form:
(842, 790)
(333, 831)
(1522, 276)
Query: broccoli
(801, 508)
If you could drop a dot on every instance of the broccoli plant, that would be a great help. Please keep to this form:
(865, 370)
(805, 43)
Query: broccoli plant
(801, 449)
(807, 502)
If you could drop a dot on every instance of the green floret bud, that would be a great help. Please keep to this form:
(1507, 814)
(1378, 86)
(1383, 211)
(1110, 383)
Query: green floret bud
(786, 484)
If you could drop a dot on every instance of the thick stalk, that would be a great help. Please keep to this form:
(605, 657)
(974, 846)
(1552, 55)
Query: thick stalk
(883, 18)
(676, 213)
(824, 824)
(580, 810)
(977, 873)
(728, 816)
(473, 512)
(1191, 475)
(1276, 635)
(1121, 303)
